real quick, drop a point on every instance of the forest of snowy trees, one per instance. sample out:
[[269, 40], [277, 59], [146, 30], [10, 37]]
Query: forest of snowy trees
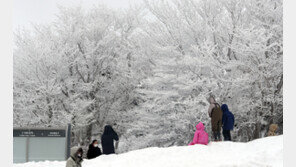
[[149, 70]]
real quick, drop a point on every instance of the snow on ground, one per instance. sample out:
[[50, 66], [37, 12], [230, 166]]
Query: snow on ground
[[262, 152]]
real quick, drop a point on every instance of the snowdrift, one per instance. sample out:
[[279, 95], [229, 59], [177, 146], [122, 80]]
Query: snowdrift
[[261, 152]]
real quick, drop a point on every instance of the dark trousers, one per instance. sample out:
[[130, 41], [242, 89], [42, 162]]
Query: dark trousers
[[217, 136], [226, 135]]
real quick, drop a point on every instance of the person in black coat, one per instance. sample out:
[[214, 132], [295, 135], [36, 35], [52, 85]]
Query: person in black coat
[[108, 138], [93, 150]]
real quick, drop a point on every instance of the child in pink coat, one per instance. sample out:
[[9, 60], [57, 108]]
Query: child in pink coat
[[200, 136]]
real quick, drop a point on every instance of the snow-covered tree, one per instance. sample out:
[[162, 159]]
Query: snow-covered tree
[[149, 70], [79, 69]]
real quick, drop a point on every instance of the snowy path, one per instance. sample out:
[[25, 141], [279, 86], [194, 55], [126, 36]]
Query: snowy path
[[262, 152]]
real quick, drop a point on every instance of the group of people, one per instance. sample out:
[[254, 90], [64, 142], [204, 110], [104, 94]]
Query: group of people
[[221, 117], [107, 141]]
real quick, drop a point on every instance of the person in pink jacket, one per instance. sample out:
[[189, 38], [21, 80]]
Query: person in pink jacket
[[200, 136]]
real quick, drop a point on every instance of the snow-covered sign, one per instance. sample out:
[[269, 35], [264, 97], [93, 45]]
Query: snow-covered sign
[[39, 144]]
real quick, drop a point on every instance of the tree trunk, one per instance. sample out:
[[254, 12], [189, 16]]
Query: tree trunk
[[88, 133], [257, 130]]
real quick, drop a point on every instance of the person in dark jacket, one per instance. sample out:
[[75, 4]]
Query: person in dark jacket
[[108, 138], [227, 122], [215, 113], [93, 150]]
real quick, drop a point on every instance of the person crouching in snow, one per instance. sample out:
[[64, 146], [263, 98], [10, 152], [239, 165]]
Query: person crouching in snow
[[200, 136], [75, 158], [272, 130]]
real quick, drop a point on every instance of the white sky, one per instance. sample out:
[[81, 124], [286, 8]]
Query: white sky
[[26, 12]]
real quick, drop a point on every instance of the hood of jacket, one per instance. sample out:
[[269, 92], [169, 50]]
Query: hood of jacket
[[73, 154], [73, 151], [108, 130], [224, 108], [200, 126]]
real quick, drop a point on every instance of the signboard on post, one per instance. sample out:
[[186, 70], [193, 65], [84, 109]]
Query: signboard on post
[[39, 133], [40, 144]]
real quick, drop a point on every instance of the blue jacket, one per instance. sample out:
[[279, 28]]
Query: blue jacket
[[227, 118]]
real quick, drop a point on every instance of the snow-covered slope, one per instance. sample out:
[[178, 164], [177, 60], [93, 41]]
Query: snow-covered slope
[[262, 152]]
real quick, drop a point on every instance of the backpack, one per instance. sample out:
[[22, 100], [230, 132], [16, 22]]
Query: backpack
[[217, 111]]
